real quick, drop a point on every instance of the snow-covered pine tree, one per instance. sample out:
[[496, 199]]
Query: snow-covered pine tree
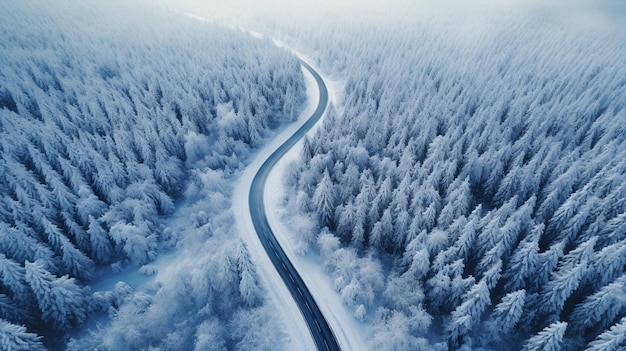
[[507, 313], [60, 300], [549, 339], [522, 264], [17, 338], [467, 315], [600, 308], [12, 279], [249, 287], [324, 200], [613, 339]]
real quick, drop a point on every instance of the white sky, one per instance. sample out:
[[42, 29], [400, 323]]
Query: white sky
[[321, 10]]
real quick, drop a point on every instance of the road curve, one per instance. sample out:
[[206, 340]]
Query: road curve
[[323, 335]]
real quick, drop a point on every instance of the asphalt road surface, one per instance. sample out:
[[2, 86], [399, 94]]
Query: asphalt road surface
[[320, 330]]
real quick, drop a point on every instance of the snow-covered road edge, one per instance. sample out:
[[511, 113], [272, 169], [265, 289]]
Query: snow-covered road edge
[[299, 337], [296, 332], [348, 331]]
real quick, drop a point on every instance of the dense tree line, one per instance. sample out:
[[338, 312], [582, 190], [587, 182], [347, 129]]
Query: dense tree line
[[485, 175], [212, 303], [105, 112]]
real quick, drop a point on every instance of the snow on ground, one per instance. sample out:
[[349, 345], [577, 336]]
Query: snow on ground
[[347, 329], [277, 294]]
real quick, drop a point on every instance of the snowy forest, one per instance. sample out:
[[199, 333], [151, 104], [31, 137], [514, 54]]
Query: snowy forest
[[470, 187], [110, 114], [465, 191]]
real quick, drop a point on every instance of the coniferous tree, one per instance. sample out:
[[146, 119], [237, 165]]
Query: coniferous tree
[[17, 338], [248, 282], [543, 191], [607, 264], [549, 339], [600, 307], [508, 312], [12, 278], [324, 200], [612, 339], [60, 299], [467, 315], [561, 285]]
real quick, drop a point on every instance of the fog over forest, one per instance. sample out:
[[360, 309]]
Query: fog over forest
[[471, 174], [112, 114], [466, 189]]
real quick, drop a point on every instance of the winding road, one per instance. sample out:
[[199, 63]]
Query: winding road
[[321, 332]]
